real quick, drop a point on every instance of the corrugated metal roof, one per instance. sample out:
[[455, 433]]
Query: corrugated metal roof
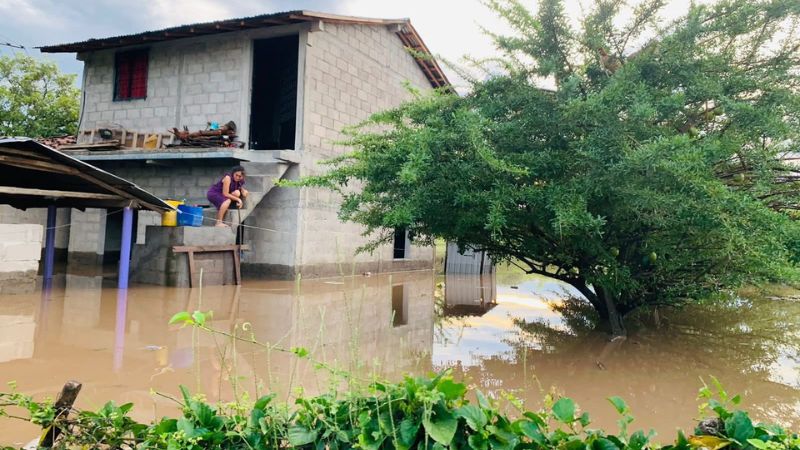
[[406, 33], [32, 167]]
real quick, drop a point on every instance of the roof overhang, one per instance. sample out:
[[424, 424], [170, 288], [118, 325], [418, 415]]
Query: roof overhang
[[33, 175], [405, 31]]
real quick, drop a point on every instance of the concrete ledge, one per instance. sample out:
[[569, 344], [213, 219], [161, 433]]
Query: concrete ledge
[[84, 259], [310, 271]]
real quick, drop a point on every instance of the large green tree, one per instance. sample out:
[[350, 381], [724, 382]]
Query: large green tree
[[651, 171], [36, 99]]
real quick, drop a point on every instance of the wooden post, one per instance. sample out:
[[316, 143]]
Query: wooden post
[[50, 246], [63, 406]]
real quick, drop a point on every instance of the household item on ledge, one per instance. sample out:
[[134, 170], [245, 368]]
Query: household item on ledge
[[190, 216], [170, 218]]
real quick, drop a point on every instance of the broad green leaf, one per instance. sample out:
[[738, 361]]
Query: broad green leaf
[[262, 402], [473, 415], [619, 404], [181, 317], [637, 441], [483, 402], [409, 429], [564, 410], [199, 318], [478, 442], [739, 427], [709, 442], [532, 431], [604, 444], [441, 426], [757, 443], [451, 389], [584, 419], [299, 435]]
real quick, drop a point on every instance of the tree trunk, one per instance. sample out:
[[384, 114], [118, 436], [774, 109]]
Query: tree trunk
[[610, 316], [614, 316]]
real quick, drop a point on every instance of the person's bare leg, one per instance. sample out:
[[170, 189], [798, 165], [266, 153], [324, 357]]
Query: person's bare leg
[[239, 194], [223, 208]]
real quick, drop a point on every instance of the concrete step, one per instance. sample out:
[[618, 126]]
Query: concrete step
[[261, 178]]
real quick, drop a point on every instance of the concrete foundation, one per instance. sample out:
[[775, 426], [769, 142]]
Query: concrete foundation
[[155, 263], [20, 250]]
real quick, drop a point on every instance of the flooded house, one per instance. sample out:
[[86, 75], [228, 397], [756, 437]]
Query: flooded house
[[173, 110]]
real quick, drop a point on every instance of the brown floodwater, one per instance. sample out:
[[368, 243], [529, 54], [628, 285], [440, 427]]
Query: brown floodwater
[[515, 333]]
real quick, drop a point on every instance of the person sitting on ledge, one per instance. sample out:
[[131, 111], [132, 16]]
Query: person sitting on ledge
[[226, 192]]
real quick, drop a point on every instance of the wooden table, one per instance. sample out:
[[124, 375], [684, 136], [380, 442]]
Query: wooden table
[[190, 250]]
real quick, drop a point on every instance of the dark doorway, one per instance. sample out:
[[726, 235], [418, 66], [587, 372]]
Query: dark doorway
[[400, 243], [399, 306], [273, 109]]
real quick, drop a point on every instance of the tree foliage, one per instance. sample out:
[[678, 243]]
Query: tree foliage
[[36, 100], [653, 172]]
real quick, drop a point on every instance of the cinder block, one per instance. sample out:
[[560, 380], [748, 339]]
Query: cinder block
[[20, 251]]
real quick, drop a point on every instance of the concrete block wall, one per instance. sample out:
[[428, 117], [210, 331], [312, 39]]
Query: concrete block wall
[[188, 83], [38, 216], [273, 239], [17, 329], [20, 250], [156, 263], [351, 72], [87, 236]]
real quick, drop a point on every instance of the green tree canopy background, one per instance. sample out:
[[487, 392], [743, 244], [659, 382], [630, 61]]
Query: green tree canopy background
[[653, 173], [36, 100]]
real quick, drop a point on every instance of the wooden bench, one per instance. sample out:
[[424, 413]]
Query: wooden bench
[[190, 250]]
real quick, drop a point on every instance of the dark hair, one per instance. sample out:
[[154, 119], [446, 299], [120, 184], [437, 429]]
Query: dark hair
[[237, 169]]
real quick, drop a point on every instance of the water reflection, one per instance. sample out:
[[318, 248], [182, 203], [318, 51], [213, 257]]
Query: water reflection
[[502, 331], [538, 337], [118, 343]]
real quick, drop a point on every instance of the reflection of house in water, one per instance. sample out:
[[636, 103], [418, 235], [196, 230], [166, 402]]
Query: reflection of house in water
[[470, 282], [469, 295], [123, 346]]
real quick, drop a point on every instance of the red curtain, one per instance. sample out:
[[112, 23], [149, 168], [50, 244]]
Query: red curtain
[[131, 75], [139, 76]]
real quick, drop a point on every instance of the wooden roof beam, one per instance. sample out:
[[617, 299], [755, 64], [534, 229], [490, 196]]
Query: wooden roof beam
[[11, 190]]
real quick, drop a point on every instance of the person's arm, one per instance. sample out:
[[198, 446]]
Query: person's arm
[[226, 189]]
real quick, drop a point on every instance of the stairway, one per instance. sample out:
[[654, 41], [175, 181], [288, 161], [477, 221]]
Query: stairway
[[260, 178]]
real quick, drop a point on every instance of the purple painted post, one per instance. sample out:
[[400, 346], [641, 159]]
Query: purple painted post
[[50, 245], [125, 249], [119, 328]]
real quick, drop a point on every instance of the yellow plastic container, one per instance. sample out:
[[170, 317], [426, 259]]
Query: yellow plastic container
[[170, 218]]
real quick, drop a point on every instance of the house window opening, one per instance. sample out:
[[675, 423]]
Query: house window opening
[[401, 243], [130, 75], [273, 107], [399, 306]]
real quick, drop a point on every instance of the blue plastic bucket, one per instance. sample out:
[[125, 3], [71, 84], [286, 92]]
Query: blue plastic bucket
[[190, 216]]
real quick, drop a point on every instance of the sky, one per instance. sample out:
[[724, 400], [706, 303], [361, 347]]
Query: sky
[[450, 28]]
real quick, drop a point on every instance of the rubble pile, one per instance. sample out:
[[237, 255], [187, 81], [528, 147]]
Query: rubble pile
[[57, 142], [212, 136]]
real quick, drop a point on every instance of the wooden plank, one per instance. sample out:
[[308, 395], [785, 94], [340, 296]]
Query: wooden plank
[[38, 165], [192, 280], [158, 142], [209, 248], [106, 144], [135, 141], [91, 137], [63, 406], [237, 268], [124, 138], [57, 194]]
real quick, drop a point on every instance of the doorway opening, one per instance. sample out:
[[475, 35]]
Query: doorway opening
[[273, 107]]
